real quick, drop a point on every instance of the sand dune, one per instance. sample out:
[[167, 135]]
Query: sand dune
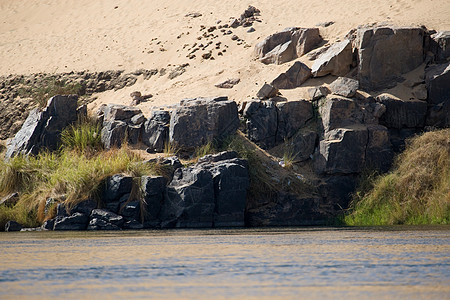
[[75, 35]]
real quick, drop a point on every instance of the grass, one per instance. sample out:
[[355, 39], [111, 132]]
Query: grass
[[67, 175], [417, 191], [83, 137]]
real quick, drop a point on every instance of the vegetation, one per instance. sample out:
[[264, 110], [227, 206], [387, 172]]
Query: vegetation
[[417, 191], [83, 137]]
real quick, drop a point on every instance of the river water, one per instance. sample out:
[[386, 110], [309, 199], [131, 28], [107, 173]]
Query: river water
[[288, 263]]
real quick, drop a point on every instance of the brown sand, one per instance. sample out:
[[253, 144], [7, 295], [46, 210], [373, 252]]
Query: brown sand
[[74, 35]]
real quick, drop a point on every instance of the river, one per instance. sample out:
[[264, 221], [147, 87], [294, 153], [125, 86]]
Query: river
[[287, 263]]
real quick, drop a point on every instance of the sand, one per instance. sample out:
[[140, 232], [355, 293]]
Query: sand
[[74, 35]]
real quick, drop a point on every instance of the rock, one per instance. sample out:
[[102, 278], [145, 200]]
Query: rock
[[117, 189], [194, 122], [133, 224], [337, 190], [440, 46], [420, 92], [303, 144], [48, 224], [262, 122], [117, 112], [12, 226], [42, 128], [131, 211], [267, 91], [84, 207], [212, 158], [437, 80], [251, 29], [228, 84], [297, 74], [190, 199], [156, 130], [287, 210], [336, 60], [385, 53], [76, 221], [287, 45], [10, 200], [379, 153], [402, 113], [113, 134], [345, 87], [292, 116], [101, 219], [339, 112], [153, 189], [317, 92]]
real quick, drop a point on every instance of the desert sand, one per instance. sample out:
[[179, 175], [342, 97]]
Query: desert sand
[[74, 35]]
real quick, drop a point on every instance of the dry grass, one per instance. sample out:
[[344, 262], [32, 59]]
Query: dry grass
[[417, 191]]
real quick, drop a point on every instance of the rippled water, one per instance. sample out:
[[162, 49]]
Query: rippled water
[[400, 262]]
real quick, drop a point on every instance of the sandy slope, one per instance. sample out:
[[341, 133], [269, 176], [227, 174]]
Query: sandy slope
[[66, 35]]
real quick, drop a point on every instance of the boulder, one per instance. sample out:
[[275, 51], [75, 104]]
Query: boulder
[[194, 122], [379, 153], [303, 144], [262, 122], [12, 226], [385, 53], [297, 74], [342, 151], [402, 113], [317, 92], [267, 91], [336, 60], [292, 116], [42, 129], [440, 46], [287, 45], [437, 80], [190, 199], [76, 221], [345, 87], [131, 211], [101, 219], [339, 112], [156, 130], [228, 84], [116, 191], [117, 112], [153, 189]]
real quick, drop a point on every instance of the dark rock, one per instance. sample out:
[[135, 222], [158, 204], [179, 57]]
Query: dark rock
[[131, 211], [153, 189], [303, 144], [337, 190], [49, 224], [397, 137], [440, 46], [339, 112], [12, 226], [190, 199], [287, 210], [262, 122], [77, 221], [437, 80], [385, 53], [156, 130], [315, 93], [194, 122], [116, 187], [267, 91], [42, 128], [133, 224], [113, 134], [345, 87], [228, 84], [292, 116], [61, 210], [287, 45], [212, 158], [402, 113], [297, 74], [101, 219], [420, 92], [379, 153], [336, 60]]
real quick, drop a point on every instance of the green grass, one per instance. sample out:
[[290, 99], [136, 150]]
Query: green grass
[[84, 137], [50, 87], [417, 191]]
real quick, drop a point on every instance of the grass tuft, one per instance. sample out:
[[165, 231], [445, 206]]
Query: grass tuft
[[84, 137], [52, 87], [417, 191]]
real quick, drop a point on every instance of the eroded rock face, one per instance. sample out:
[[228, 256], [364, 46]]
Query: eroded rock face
[[385, 53], [42, 129], [402, 113], [345, 87], [440, 46], [195, 122], [287, 45], [156, 130], [336, 60]]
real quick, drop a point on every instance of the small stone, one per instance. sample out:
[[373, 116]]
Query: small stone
[[228, 84], [267, 91], [251, 29], [234, 37]]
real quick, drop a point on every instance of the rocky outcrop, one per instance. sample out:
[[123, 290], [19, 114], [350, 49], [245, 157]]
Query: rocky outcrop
[[156, 130], [297, 74], [215, 118], [336, 60], [120, 123], [269, 124], [402, 113], [42, 128], [345, 87], [287, 45], [437, 81], [385, 53], [440, 46]]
